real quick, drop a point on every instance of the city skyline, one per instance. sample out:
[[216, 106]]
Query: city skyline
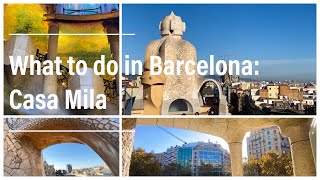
[[281, 37], [78, 155]]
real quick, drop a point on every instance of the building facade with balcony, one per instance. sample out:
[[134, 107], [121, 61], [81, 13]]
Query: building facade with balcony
[[267, 139]]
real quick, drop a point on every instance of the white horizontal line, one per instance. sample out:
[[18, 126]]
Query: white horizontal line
[[62, 131], [62, 116], [128, 131], [126, 34], [217, 116]]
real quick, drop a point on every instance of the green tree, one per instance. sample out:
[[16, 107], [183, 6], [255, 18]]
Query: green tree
[[176, 169], [210, 170], [270, 164], [273, 164], [184, 170], [287, 161], [24, 22], [144, 164], [205, 169], [171, 169], [252, 167]]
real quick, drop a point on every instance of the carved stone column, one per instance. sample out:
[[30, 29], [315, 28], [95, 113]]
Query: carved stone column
[[298, 132], [50, 82], [236, 158], [112, 27], [21, 157], [128, 126], [234, 136]]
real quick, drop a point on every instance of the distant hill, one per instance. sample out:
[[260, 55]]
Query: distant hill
[[215, 77]]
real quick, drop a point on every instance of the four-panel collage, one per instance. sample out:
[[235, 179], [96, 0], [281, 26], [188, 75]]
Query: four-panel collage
[[116, 89]]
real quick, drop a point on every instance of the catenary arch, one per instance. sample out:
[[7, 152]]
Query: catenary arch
[[223, 105], [215, 82], [225, 128], [180, 106], [232, 130], [29, 144]]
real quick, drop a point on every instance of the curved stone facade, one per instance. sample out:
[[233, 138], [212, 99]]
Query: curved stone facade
[[22, 149], [233, 130]]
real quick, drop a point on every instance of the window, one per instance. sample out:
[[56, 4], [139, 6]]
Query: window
[[277, 148], [269, 138], [274, 131], [268, 132], [269, 142], [269, 148]]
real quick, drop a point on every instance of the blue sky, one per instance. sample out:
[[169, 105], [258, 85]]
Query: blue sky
[[78, 155], [281, 37], [152, 138]]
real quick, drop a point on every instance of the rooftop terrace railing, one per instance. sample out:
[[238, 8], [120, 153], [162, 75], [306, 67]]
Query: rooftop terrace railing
[[82, 11], [85, 9]]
